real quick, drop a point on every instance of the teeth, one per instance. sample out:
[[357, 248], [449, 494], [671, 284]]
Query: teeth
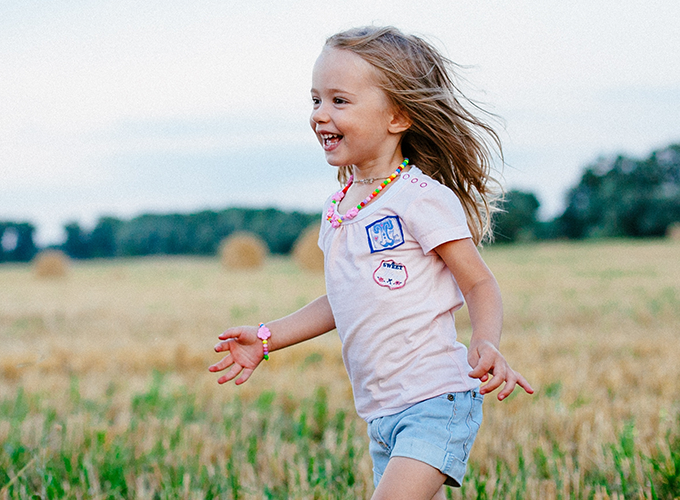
[[326, 137]]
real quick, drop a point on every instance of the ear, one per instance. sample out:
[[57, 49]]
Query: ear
[[400, 122]]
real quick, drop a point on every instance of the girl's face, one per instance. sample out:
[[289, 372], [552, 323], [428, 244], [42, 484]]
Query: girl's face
[[353, 118]]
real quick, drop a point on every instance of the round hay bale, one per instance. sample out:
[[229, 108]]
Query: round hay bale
[[673, 231], [243, 251], [306, 251], [51, 264]]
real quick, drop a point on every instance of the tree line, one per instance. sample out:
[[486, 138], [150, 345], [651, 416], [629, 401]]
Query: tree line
[[615, 197], [184, 234]]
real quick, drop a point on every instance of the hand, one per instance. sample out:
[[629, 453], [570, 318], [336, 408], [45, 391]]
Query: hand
[[488, 363], [244, 353]]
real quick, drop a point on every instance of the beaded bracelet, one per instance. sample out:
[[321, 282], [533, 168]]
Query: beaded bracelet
[[263, 334]]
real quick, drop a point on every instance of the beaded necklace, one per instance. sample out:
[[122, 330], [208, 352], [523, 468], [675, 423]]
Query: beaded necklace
[[370, 180], [332, 215]]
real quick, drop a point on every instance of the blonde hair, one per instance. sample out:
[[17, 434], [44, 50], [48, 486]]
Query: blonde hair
[[446, 141]]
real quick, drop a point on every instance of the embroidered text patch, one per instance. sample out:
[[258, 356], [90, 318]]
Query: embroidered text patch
[[385, 234], [390, 274]]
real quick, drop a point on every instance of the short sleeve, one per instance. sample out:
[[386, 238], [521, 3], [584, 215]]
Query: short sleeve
[[323, 228], [436, 217], [322, 233]]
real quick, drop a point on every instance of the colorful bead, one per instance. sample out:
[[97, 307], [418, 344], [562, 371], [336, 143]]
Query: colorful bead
[[263, 334], [336, 220]]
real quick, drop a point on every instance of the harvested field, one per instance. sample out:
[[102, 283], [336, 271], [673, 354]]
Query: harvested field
[[104, 388]]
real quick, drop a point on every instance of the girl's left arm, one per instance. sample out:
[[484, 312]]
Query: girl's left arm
[[483, 298]]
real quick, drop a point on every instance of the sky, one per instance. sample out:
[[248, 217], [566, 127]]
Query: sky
[[122, 108]]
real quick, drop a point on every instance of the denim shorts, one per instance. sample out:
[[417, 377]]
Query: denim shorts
[[438, 431]]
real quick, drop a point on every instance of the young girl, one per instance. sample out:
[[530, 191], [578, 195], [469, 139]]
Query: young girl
[[400, 246]]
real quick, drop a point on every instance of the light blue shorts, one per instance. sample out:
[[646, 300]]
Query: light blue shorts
[[438, 431]]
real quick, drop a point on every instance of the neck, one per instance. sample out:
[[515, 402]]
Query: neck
[[376, 172]]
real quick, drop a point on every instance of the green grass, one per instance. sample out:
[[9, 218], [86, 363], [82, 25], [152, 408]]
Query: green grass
[[173, 444], [272, 448]]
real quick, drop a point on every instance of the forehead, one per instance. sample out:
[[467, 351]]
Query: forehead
[[343, 70]]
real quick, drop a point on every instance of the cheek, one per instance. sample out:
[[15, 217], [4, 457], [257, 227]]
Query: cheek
[[313, 126]]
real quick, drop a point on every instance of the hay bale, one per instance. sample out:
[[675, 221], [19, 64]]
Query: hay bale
[[673, 231], [51, 264], [306, 251], [243, 251]]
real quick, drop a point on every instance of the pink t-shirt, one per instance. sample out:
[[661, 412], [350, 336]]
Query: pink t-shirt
[[393, 297]]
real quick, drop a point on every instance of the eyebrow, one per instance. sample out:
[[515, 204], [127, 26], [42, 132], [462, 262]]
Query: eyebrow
[[335, 91]]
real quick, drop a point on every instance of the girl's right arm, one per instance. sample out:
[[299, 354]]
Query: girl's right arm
[[245, 350]]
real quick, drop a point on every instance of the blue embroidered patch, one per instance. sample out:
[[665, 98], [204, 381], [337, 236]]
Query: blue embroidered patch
[[385, 234]]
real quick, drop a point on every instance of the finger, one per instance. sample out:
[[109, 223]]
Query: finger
[[235, 370], [495, 382], [230, 333], [473, 358], [223, 346], [522, 382], [225, 362], [483, 367], [507, 390], [245, 375]]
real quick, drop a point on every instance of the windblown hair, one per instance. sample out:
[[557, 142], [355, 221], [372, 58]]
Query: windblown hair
[[446, 141]]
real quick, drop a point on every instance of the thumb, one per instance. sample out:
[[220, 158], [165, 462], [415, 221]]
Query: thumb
[[231, 333], [480, 367], [473, 357]]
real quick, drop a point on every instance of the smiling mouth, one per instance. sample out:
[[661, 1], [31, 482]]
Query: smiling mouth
[[330, 141]]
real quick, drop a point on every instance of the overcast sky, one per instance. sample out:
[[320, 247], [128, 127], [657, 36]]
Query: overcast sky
[[120, 108]]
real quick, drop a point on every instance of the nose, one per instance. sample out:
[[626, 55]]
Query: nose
[[319, 114]]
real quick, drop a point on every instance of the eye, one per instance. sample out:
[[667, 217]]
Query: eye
[[339, 100], [316, 101]]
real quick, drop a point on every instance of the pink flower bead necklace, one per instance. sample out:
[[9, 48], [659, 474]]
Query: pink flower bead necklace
[[332, 215]]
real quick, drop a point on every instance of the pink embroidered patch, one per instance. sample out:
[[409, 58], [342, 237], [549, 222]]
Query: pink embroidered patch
[[390, 274]]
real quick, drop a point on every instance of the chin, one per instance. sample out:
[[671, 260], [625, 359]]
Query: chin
[[334, 162]]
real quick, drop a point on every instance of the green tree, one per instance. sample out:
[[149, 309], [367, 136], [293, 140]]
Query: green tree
[[625, 197], [16, 242], [518, 220], [76, 244], [102, 240]]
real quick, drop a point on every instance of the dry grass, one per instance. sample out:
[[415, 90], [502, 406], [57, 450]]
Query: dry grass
[[594, 327], [119, 321]]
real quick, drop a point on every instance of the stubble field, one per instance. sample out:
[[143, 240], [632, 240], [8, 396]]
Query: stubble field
[[105, 393]]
